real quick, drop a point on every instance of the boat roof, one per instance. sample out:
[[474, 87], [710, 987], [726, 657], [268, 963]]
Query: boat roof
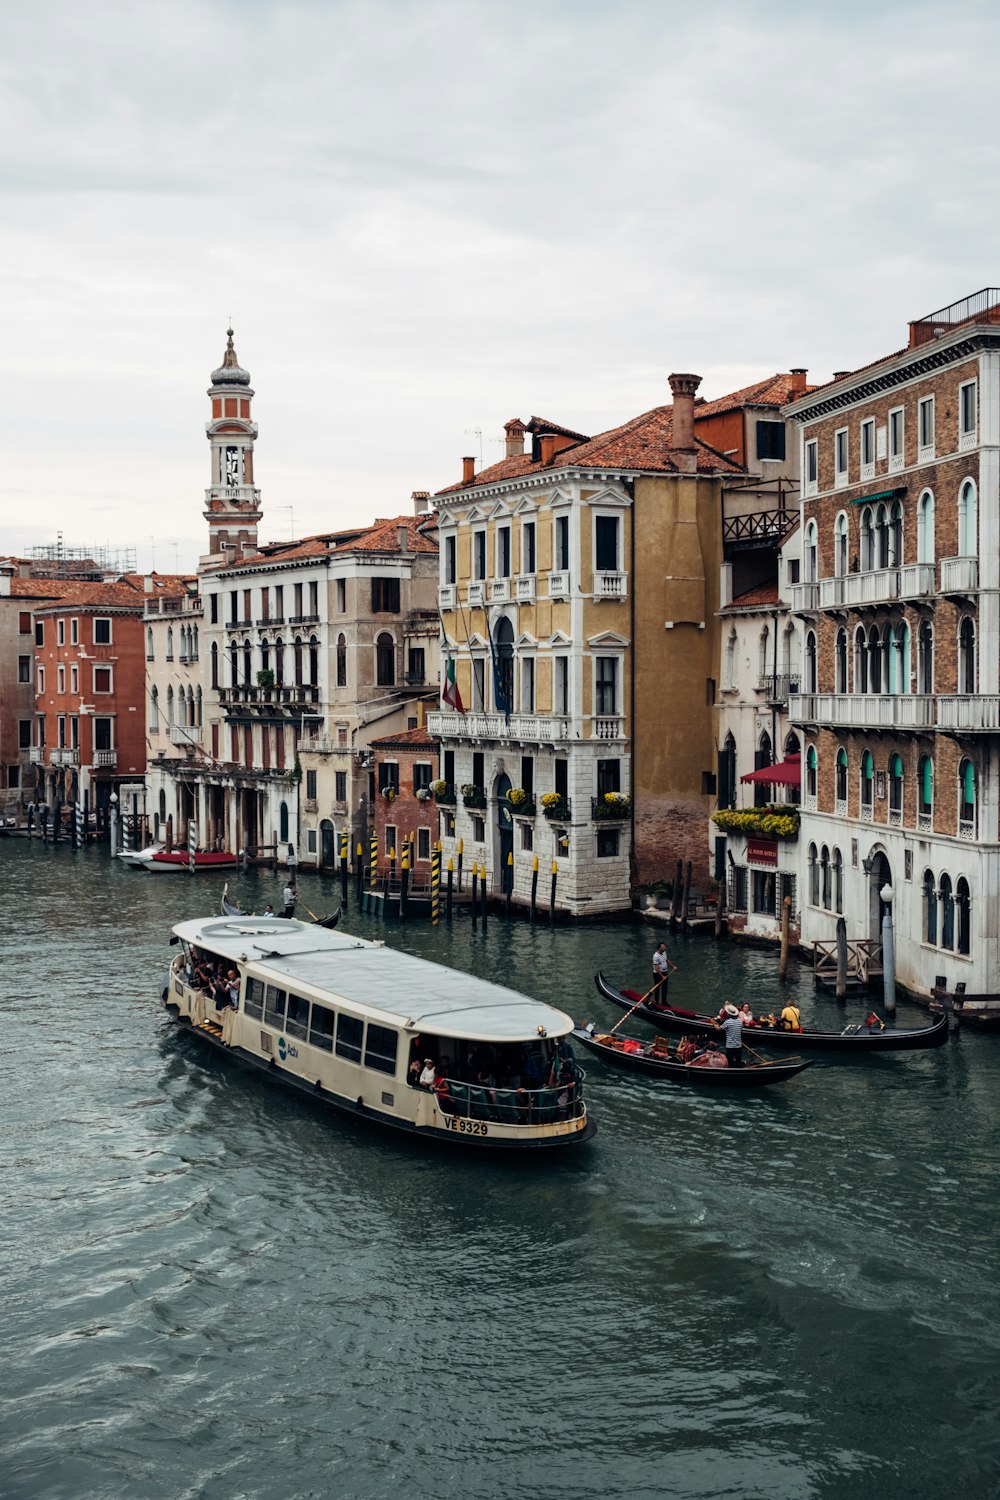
[[411, 993]]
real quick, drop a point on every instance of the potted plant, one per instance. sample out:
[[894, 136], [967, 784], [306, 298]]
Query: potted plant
[[265, 678], [444, 793], [423, 793], [612, 805], [555, 807], [473, 796], [389, 793], [522, 803]]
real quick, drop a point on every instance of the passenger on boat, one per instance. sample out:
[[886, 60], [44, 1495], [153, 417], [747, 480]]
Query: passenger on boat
[[686, 1049], [711, 1057], [428, 1074], [791, 1018], [746, 1013], [269, 910], [732, 1030], [443, 1092], [233, 988]]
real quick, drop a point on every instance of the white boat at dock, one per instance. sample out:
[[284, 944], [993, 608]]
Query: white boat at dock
[[349, 1022]]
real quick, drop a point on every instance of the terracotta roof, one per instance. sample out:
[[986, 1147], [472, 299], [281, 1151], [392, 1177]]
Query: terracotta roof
[[123, 593], [40, 588], [763, 594], [380, 536], [776, 390], [542, 424], [415, 738], [170, 585]]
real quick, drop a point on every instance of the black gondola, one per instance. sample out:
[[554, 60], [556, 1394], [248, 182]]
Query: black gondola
[[655, 1058], [329, 922], [229, 908], [854, 1038]]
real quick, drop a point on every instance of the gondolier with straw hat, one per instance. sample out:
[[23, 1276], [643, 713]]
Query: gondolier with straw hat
[[732, 1030]]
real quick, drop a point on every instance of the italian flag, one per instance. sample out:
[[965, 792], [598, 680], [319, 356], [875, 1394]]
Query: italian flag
[[450, 692]]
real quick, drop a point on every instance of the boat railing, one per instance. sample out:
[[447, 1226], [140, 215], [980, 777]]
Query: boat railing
[[521, 1106]]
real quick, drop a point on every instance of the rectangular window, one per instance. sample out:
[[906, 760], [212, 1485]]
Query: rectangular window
[[24, 734], [503, 551], [274, 1006], [102, 734], [840, 456], [528, 685], [763, 892], [967, 410], [415, 667], [771, 440], [253, 998], [606, 531], [24, 622], [314, 598], [385, 596], [390, 838], [74, 632], [341, 596], [279, 601], [311, 841], [297, 1017], [213, 609], [74, 732], [607, 843], [380, 1048], [61, 731], [24, 669], [41, 679], [478, 768], [528, 773], [479, 554], [478, 684], [560, 695], [925, 427], [40, 739], [247, 606], [896, 436], [609, 776], [560, 770], [423, 843], [340, 785], [606, 686], [297, 595], [738, 888], [450, 559], [321, 1028], [349, 1033], [527, 547], [60, 632], [102, 632], [39, 632], [527, 836], [868, 448], [311, 785], [811, 465], [60, 678], [449, 767], [562, 544], [388, 775], [423, 775], [102, 679]]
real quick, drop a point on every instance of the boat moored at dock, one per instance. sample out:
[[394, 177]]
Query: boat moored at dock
[[377, 1033]]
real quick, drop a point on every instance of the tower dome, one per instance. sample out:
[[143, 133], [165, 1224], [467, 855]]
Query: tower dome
[[230, 372]]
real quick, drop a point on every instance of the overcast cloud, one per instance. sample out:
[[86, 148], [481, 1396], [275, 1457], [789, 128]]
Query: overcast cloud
[[427, 218]]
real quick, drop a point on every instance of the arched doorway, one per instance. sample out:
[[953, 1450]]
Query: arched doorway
[[327, 845], [879, 875], [505, 832]]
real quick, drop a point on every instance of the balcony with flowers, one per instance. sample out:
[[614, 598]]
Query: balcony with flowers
[[444, 793], [522, 803], [612, 807], [557, 808]]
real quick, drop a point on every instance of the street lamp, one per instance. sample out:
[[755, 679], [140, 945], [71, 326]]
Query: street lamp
[[113, 823], [888, 950]]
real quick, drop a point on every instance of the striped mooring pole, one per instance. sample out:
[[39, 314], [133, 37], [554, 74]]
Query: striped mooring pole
[[436, 884]]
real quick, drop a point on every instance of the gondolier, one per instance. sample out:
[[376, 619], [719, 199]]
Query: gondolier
[[662, 970], [289, 896], [732, 1029]]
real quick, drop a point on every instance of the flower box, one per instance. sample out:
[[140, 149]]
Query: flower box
[[613, 806], [474, 796], [770, 822], [556, 809]]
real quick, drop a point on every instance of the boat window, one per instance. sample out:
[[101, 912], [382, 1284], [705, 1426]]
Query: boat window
[[297, 1024], [253, 1001], [321, 1028], [274, 1006], [349, 1032], [380, 1048]]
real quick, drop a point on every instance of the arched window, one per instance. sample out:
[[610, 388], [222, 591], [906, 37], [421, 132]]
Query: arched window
[[875, 659], [234, 665], [967, 656], [763, 656], [947, 913], [194, 643], [170, 643], [283, 822], [842, 776], [341, 660], [154, 711], [840, 563], [790, 655], [764, 756], [811, 769], [925, 527], [199, 704], [963, 902], [215, 665], [811, 673], [811, 553], [930, 908], [905, 674], [925, 791], [149, 643], [896, 789], [170, 707], [731, 659], [967, 800], [793, 794], [840, 661], [247, 663], [727, 773], [813, 876], [385, 660], [313, 661], [824, 877], [503, 645], [867, 540], [838, 882], [860, 661], [882, 531], [867, 785], [892, 650], [279, 662], [896, 534], [297, 659], [925, 657], [265, 655], [968, 530]]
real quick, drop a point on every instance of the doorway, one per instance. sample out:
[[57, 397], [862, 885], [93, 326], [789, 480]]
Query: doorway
[[504, 841]]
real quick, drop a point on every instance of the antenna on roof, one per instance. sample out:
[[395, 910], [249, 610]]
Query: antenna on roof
[[291, 516], [476, 432]]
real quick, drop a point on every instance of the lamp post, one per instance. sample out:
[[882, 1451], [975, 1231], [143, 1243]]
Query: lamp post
[[888, 951], [113, 823]]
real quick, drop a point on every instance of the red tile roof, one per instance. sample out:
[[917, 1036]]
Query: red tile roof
[[763, 594], [776, 390], [407, 738], [123, 593], [380, 536]]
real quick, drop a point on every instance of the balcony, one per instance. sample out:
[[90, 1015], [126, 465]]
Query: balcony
[[609, 727], [36, 755], [239, 624], [499, 590], [864, 710], [185, 734], [959, 575], [610, 585], [559, 584], [879, 586], [303, 619], [446, 596], [776, 686], [475, 593], [105, 760], [975, 713], [805, 598], [64, 756], [761, 528], [524, 588], [539, 729]]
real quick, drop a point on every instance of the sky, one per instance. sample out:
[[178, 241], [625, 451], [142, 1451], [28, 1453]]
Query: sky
[[425, 219]]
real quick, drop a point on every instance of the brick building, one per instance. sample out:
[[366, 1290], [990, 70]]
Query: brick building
[[899, 600], [404, 811]]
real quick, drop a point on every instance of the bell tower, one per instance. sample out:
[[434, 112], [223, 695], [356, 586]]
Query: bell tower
[[232, 504]]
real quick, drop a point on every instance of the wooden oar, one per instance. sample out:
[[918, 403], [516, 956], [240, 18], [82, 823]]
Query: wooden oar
[[634, 1008]]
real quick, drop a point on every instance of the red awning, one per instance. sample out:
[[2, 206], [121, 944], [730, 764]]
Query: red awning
[[785, 773]]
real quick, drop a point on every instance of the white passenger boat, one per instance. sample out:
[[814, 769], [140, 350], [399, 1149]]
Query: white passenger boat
[[354, 1024]]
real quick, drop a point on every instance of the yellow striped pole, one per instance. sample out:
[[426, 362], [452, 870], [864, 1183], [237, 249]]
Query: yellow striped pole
[[436, 885]]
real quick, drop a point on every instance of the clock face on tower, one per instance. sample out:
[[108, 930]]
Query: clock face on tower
[[232, 467]]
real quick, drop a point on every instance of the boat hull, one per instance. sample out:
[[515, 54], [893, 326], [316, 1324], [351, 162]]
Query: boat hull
[[165, 864], [359, 1110], [751, 1076], [866, 1039]]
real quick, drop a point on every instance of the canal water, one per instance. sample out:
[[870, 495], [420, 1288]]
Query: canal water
[[210, 1290]]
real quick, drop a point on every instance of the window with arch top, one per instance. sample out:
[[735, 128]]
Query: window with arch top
[[385, 660], [841, 774]]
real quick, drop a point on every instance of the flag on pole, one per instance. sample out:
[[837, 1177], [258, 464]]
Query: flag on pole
[[450, 692]]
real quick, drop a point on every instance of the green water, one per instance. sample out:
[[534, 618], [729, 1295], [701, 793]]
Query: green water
[[212, 1290]]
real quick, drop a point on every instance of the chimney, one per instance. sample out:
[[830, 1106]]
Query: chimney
[[6, 574], [682, 445], [841, 374], [799, 380], [515, 437], [147, 584], [468, 470], [402, 537], [547, 446], [421, 502]]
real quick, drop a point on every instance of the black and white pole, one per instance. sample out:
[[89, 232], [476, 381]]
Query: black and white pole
[[113, 823], [888, 951], [192, 844]]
